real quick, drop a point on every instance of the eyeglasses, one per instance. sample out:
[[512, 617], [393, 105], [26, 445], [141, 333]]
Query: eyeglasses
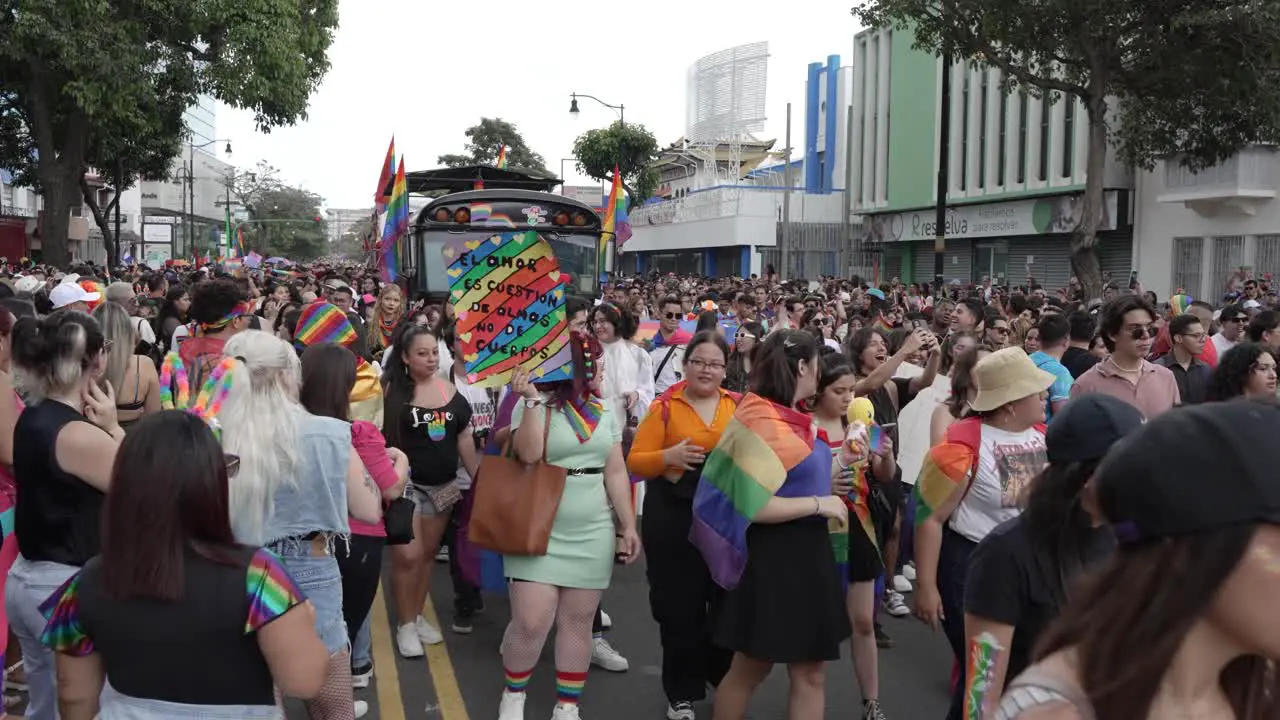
[[1195, 336], [232, 463], [1000, 329], [699, 364], [1142, 331]]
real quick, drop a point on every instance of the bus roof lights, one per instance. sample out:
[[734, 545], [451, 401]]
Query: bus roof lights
[[560, 218], [580, 219]]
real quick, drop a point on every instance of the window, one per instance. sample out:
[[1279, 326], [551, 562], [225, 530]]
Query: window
[[1069, 138], [1267, 262], [1004, 131], [1046, 109], [964, 128], [1023, 105], [1228, 256], [982, 132], [1187, 256]]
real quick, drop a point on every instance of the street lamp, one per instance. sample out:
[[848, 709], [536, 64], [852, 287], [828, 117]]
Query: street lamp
[[191, 184], [573, 106]]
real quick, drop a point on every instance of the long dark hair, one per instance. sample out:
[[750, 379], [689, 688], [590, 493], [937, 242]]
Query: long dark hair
[[51, 354], [397, 386], [328, 374], [859, 341], [1128, 620], [623, 322], [154, 515], [962, 380], [1058, 526], [1233, 370], [777, 363]]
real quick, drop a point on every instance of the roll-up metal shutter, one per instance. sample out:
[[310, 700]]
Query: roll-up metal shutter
[[1115, 255], [958, 262], [1050, 260], [922, 262]]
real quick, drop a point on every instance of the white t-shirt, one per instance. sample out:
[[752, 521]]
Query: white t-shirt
[[1222, 344], [914, 422], [146, 333], [483, 413], [1007, 463]]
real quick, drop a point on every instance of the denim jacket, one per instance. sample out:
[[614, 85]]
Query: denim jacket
[[317, 500]]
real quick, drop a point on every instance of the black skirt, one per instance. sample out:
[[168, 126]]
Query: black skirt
[[865, 563], [789, 606]]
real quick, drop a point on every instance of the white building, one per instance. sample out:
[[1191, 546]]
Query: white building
[[341, 221], [1196, 231]]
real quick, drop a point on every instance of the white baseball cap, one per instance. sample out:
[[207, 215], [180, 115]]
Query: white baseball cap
[[67, 293]]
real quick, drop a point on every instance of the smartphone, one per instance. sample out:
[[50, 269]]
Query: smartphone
[[1133, 279]]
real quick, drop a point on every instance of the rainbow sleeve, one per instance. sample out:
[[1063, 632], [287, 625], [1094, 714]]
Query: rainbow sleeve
[[743, 472], [271, 591], [63, 633], [946, 467]]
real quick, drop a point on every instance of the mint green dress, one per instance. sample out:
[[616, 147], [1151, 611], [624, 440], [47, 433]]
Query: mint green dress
[[580, 551]]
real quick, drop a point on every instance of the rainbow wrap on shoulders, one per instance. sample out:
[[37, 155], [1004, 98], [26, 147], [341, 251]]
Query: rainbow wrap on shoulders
[[946, 467], [761, 444]]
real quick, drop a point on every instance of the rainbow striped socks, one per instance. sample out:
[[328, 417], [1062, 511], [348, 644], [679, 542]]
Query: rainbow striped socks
[[569, 686], [517, 681]]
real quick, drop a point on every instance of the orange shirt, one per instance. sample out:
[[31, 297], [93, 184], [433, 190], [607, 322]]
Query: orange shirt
[[682, 421]]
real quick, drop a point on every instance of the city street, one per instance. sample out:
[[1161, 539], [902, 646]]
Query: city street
[[462, 679]]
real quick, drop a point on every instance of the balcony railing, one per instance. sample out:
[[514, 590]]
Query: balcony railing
[[1246, 177]]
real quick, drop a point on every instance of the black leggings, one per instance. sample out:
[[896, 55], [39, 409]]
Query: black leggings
[[360, 563]]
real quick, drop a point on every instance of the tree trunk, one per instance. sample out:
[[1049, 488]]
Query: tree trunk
[[58, 190], [109, 240], [1084, 240]]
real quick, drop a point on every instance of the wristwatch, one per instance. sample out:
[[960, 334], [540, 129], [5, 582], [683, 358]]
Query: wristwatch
[[531, 403]]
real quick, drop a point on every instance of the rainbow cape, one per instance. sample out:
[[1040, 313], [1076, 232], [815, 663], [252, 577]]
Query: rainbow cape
[[761, 444], [949, 465]]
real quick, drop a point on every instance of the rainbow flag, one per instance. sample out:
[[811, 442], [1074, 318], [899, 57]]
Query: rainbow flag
[[397, 225], [946, 467], [320, 323], [382, 197], [502, 156], [240, 239], [761, 444], [608, 230]]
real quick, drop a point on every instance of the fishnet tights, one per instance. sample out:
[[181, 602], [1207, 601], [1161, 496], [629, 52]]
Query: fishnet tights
[[335, 701], [534, 608]]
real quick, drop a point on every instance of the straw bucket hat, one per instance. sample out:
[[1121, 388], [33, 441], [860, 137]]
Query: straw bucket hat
[[1005, 376]]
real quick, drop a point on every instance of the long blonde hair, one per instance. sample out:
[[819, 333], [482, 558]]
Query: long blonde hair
[[121, 336], [260, 423]]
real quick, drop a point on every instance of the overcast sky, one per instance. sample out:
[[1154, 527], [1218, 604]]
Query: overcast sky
[[427, 71]]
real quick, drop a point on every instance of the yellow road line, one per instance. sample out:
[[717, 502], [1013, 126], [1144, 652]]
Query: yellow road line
[[443, 678], [390, 702]]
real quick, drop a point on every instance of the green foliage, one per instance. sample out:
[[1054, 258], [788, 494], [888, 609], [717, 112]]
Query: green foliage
[[632, 148], [1194, 80], [483, 141], [104, 83], [283, 222], [352, 243]]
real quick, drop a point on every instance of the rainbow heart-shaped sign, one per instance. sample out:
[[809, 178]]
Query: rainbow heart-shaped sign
[[508, 297]]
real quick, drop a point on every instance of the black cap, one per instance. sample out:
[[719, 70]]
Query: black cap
[[1087, 426], [1192, 469]]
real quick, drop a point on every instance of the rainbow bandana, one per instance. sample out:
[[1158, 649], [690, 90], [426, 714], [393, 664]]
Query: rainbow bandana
[[761, 444], [1179, 303], [221, 324], [320, 323], [584, 415]]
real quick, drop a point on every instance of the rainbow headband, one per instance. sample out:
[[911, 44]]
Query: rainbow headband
[[220, 324], [208, 402]]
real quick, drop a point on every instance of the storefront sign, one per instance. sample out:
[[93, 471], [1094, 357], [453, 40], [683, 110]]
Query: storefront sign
[[590, 195], [1037, 216]]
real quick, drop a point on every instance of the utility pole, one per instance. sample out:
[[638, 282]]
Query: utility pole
[[944, 168], [114, 259], [191, 190], [846, 247], [784, 272]]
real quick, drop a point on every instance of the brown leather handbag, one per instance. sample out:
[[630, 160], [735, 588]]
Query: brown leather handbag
[[514, 503]]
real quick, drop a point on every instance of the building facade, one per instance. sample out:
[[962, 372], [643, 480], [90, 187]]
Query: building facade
[[722, 210], [1204, 232], [1017, 172]]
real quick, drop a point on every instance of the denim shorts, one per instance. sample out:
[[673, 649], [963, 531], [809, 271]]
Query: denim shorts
[[321, 583]]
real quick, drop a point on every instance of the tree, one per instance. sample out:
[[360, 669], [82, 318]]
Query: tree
[[105, 84], [1191, 80], [483, 141], [286, 221], [631, 148]]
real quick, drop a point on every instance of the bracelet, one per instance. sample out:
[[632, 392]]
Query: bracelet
[[817, 506]]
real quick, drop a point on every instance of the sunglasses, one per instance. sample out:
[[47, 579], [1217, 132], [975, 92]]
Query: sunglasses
[[820, 322], [1001, 330], [672, 316], [1142, 332], [232, 463]]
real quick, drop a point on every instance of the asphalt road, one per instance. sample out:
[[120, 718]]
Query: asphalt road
[[462, 678]]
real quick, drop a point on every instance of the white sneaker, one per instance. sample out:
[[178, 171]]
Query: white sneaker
[[604, 656], [362, 708], [682, 710], [901, 584], [512, 706], [563, 711], [895, 605], [606, 622], [427, 632], [361, 679], [909, 572], [408, 642]]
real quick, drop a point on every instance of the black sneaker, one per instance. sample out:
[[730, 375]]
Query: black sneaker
[[681, 710], [882, 638], [462, 624]]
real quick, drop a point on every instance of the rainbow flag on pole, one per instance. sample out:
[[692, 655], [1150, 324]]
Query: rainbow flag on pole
[[397, 225], [502, 156], [382, 197], [608, 230]]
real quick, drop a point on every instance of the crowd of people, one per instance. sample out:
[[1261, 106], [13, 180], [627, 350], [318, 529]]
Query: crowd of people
[[202, 459]]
